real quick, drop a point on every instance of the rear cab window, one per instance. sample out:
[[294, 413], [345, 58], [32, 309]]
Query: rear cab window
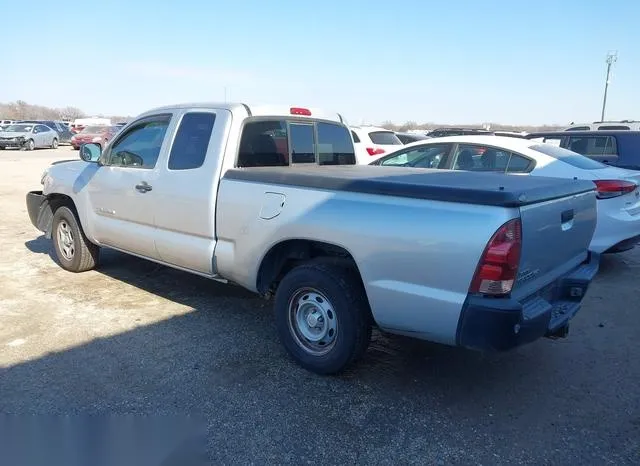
[[384, 138], [567, 156], [269, 143]]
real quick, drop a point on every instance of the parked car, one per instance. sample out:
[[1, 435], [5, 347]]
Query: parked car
[[5, 123], [408, 138], [28, 136], [100, 135], [444, 132], [64, 133], [372, 142], [81, 123], [618, 195], [618, 148], [440, 256], [612, 125]]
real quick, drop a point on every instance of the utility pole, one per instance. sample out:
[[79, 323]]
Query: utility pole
[[612, 57]]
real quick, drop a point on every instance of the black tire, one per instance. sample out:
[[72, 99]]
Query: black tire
[[54, 143], [30, 145], [347, 299], [85, 254]]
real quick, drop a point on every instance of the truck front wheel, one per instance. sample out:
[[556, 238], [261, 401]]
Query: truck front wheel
[[323, 317], [74, 251]]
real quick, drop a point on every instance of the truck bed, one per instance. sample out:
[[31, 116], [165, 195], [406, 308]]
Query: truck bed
[[479, 188]]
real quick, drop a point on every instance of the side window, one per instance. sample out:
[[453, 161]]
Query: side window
[[578, 128], [302, 143], [192, 139], [355, 136], [140, 146], [489, 159], [42, 128], [593, 145], [430, 156], [335, 146], [469, 157], [264, 144], [518, 164], [613, 127]]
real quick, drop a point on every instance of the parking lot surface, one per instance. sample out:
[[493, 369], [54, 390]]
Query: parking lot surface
[[136, 337]]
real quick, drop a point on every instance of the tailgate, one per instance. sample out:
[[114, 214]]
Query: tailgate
[[555, 238]]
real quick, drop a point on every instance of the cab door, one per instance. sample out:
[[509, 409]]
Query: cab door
[[123, 193]]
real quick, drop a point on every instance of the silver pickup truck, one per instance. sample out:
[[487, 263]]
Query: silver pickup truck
[[249, 195]]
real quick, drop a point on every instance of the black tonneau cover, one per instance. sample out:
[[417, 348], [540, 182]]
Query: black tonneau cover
[[438, 185]]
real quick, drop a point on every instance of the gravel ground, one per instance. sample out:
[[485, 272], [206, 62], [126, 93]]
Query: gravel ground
[[135, 337]]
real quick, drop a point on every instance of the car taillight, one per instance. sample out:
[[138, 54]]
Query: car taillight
[[374, 151], [606, 189], [498, 266]]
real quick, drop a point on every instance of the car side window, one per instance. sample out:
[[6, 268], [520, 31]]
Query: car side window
[[42, 129], [140, 146], [192, 140], [355, 136], [518, 164], [593, 145], [429, 156], [471, 157]]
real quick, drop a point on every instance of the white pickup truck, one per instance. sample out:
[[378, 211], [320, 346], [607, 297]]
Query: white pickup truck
[[245, 194]]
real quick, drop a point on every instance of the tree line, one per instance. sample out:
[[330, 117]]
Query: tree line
[[21, 110]]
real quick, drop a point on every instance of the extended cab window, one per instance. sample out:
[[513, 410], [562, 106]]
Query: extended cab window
[[192, 139], [140, 145]]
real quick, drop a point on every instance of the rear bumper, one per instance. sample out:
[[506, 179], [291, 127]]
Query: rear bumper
[[497, 324], [615, 231]]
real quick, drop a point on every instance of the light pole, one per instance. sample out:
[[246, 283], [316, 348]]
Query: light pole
[[612, 57]]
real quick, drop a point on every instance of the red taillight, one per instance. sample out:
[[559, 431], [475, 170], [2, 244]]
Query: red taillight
[[300, 111], [613, 188], [374, 151], [498, 266]]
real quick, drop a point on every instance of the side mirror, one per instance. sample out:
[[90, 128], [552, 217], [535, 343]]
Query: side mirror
[[90, 152]]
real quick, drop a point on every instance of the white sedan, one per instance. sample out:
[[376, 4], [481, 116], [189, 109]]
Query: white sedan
[[618, 227]]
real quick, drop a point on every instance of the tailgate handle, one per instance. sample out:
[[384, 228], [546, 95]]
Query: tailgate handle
[[566, 216]]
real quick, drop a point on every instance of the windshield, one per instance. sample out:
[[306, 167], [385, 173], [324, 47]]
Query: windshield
[[567, 156], [385, 138], [95, 129], [19, 128]]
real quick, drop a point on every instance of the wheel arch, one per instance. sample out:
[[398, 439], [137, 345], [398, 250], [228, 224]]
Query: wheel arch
[[285, 255]]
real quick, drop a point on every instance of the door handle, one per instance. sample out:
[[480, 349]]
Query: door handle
[[144, 187]]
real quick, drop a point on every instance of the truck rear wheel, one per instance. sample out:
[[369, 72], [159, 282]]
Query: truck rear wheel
[[323, 317], [74, 251]]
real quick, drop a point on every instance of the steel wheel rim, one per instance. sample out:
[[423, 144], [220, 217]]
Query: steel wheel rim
[[32, 145], [55, 143], [312, 321], [65, 240]]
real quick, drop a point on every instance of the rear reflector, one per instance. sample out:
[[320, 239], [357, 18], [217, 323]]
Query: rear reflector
[[607, 189], [498, 266], [374, 151], [300, 111]]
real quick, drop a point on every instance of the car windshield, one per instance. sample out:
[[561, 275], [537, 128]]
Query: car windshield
[[564, 155], [94, 129], [19, 128]]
